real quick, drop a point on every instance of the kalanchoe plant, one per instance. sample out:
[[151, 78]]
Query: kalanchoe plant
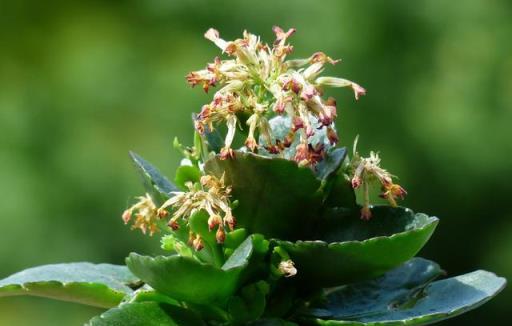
[[262, 226]]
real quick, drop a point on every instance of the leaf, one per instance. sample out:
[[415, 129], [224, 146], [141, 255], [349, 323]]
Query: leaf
[[250, 302], [186, 279], [147, 314], [277, 198], [155, 183], [101, 285], [212, 251], [406, 296], [186, 173], [331, 164], [353, 250], [340, 192]]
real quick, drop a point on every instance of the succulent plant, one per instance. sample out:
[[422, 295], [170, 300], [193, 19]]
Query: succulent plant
[[261, 225]]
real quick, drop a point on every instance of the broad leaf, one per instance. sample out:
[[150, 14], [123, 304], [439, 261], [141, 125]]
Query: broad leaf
[[147, 314], [331, 163], [186, 279], [276, 197], [406, 296], [353, 250], [102, 285], [339, 193], [155, 183], [186, 173], [249, 303]]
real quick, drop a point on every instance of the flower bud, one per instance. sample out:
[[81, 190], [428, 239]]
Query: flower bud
[[197, 243], [332, 136], [173, 224], [287, 268], [214, 221], [297, 123], [230, 220], [127, 215], [227, 153], [366, 213], [220, 235]]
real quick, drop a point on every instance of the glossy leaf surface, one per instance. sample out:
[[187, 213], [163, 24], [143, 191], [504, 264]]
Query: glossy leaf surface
[[277, 198], [353, 250], [157, 185], [406, 296], [185, 278], [101, 285], [147, 314]]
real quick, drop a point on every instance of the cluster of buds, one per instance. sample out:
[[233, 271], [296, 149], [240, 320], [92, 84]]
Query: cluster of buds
[[366, 171], [146, 215], [213, 197], [259, 82]]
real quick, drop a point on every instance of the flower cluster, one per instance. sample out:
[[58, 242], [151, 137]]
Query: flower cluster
[[257, 81], [366, 171], [146, 215], [212, 196]]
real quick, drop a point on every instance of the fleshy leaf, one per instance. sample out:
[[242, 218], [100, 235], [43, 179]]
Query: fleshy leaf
[[340, 192], [147, 314], [101, 285], [406, 296], [331, 164], [155, 183], [277, 198], [272, 322], [184, 278], [353, 250], [186, 173], [250, 302]]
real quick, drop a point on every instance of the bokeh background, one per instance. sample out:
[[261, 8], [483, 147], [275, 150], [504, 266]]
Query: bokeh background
[[82, 83]]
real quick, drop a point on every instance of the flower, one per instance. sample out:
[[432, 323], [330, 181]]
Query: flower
[[146, 215], [211, 196], [366, 171], [287, 268], [257, 81]]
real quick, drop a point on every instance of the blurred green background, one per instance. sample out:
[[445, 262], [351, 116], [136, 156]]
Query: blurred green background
[[82, 83]]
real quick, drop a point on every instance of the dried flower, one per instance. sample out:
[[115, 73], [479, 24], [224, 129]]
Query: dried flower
[[366, 171], [212, 197], [287, 268], [146, 215], [259, 82]]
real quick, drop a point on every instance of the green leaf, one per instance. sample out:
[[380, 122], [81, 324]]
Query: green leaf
[[353, 250], [147, 314], [186, 173], [340, 192], [101, 285], [214, 140], [155, 183], [277, 198], [212, 251], [250, 302], [406, 296], [186, 279], [331, 164]]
